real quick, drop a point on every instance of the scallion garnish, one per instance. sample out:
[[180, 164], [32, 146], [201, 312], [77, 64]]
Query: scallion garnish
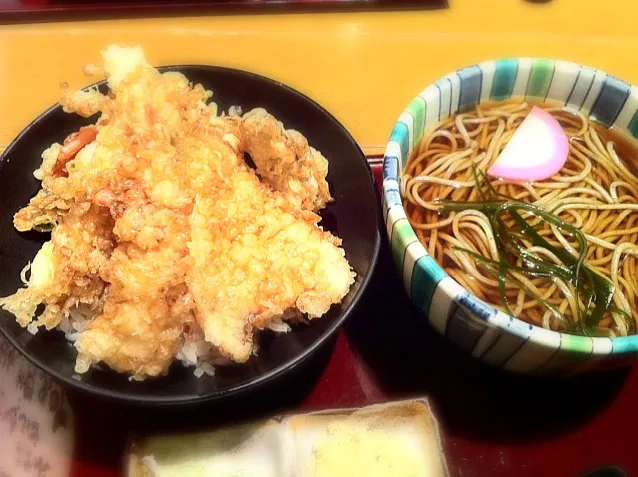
[[594, 291]]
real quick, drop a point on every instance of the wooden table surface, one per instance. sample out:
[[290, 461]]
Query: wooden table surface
[[364, 68]]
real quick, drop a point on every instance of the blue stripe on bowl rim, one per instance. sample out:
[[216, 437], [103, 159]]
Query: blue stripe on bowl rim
[[591, 91]]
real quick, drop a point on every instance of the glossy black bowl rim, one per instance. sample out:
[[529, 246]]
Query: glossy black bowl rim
[[277, 372]]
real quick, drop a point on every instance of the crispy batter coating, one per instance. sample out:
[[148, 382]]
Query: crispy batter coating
[[67, 271], [284, 160], [162, 232], [85, 103], [255, 260]]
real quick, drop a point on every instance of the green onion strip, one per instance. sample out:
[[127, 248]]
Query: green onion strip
[[594, 292]]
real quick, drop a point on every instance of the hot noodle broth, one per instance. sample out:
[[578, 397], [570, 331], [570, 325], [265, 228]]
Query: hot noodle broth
[[561, 253]]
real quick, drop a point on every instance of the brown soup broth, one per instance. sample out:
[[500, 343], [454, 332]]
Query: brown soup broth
[[441, 244]]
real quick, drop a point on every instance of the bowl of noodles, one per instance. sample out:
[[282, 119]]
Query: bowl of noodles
[[533, 272]]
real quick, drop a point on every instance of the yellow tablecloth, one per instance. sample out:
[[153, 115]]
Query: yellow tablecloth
[[363, 67]]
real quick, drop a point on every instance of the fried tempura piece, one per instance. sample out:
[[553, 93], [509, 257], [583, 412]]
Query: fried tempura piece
[[164, 233], [138, 331], [131, 337], [66, 271], [85, 103], [284, 160], [255, 260]]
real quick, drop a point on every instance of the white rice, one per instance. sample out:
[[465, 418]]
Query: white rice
[[32, 328], [196, 352], [279, 326], [65, 325], [72, 337], [78, 320], [235, 110]]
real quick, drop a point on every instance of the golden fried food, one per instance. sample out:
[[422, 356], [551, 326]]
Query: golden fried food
[[284, 160], [165, 244], [255, 260], [65, 274]]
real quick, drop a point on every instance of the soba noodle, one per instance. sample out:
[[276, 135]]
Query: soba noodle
[[595, 191]]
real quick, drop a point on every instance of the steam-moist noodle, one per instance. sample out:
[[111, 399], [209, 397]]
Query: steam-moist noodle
[[596, 191]]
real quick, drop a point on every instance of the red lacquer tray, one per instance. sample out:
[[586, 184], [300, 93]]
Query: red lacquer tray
[[493, 423]]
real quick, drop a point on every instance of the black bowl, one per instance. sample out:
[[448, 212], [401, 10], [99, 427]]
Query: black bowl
[[353, 217]]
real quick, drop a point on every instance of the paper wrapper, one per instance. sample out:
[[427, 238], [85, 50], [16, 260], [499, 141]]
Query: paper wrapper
[[393, 439], [36, 421]]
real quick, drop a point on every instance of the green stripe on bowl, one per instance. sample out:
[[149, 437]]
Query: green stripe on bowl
[[417, 108], [426, 276], [572, 349], [400, 134], [505, 73], [633, 126], [626, 344], [402, 236], [540, 78], [579, 344]]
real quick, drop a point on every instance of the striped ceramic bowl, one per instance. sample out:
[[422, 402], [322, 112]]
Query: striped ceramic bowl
[[478, 328]]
